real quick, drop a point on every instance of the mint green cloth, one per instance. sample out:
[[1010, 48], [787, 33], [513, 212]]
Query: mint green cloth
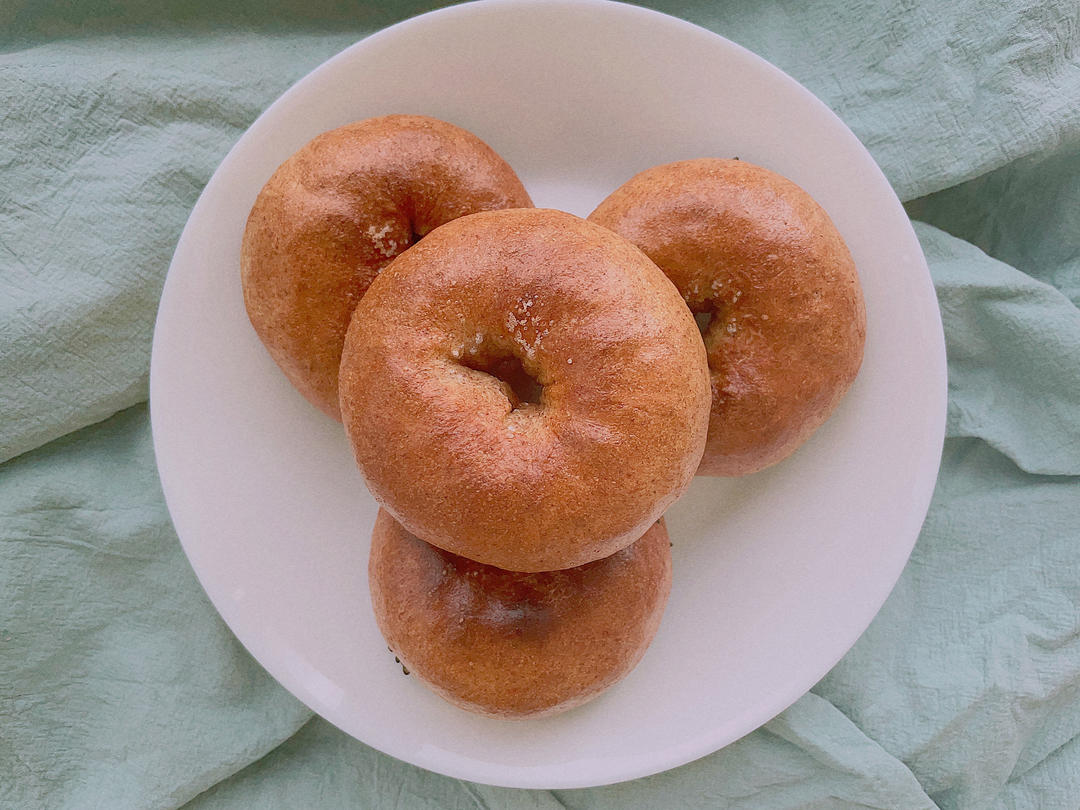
[[121, 688]]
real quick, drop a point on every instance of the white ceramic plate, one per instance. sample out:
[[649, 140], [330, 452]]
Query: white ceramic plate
[[776, 575]]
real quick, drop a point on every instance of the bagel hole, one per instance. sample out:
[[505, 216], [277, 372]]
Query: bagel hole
[[711, 317], [418, 232], [508, 369]]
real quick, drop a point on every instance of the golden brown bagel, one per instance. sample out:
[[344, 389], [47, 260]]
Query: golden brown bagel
[[755, 252], [436, 375], [337, 212], [516, 645]]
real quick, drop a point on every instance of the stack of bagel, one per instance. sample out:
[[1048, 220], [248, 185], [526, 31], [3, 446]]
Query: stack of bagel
[[526, 392]]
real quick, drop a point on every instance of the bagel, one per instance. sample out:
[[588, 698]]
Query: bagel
[[775, 290], [525, 389], [336, 213], [516, 645]]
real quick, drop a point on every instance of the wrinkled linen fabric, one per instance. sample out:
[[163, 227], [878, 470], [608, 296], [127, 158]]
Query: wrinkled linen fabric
[[119, 685]]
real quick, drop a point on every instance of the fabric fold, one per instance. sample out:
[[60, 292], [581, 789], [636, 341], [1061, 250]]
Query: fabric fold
[[120, 686], [1014, 356]]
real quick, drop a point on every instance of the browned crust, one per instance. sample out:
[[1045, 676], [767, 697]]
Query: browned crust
[[788, 320], [625, 403], [337, 212], [516, 645]]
